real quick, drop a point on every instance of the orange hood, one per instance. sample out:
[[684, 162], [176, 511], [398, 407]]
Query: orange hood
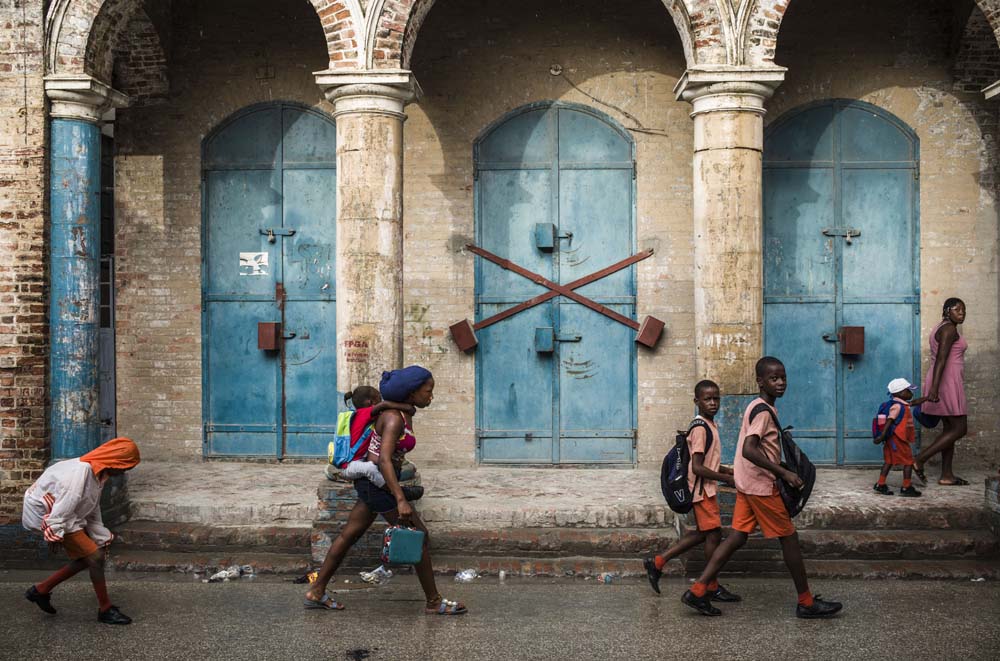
[[117, 453]]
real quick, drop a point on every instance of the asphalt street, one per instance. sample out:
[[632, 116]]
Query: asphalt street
[[178, 617]]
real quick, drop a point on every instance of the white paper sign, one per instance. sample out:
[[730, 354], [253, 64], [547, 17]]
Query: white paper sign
[[253, 263]]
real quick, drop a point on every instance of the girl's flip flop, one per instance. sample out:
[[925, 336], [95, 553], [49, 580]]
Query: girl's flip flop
[[919, 472], [327, 603], [447, 608], [958, 482]]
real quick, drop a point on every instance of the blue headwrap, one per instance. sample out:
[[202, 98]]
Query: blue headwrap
[[398, 385]]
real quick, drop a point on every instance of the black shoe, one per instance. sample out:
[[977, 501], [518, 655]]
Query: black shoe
[[653, 574], [819, 609], [113, 616], [701, 604], [722, 594], [882, 489], [413, 493], [43, 601], [910, 492]]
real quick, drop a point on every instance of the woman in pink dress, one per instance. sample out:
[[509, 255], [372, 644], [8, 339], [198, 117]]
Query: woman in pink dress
[[945, 390]]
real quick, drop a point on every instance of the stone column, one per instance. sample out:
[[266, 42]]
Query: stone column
[[77, 104], [728, 279], [368, 110]]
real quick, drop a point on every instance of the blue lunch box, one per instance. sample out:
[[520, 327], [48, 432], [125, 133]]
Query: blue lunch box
[[402, 546]]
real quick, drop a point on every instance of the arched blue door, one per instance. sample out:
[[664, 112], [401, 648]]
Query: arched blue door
[[268, 252], [556, 383], [840, 249]]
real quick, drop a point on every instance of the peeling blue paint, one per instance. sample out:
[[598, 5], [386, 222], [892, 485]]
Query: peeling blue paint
[[74, 274]]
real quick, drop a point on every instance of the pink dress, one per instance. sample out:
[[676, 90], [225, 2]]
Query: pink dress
[[951, 390]]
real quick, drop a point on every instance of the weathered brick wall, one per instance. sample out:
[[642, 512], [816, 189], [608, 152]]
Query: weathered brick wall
[[899, 59], [140, 63], [23, 327], [630, 60], [222, 57], [977, 62]]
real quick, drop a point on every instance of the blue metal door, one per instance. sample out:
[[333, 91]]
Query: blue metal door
[[840, 249], [555, 383], [269, 247]]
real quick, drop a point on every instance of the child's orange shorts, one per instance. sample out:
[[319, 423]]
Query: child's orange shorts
[[706, 513], [78, 545], [901, 456], [768, 512]]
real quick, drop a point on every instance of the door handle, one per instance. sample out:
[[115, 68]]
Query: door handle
[[288, 336], [568, 337], [831, 337]]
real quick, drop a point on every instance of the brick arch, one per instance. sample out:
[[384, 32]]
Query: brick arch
[[140, 63], [393, 32], [81, 34]]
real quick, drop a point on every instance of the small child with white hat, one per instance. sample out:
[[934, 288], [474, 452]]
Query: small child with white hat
[[898, 434]]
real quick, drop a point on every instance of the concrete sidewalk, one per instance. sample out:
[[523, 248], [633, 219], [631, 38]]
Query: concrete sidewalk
[[228, 494]]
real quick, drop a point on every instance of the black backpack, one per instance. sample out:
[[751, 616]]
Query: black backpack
[[796, 461], [674, 471]]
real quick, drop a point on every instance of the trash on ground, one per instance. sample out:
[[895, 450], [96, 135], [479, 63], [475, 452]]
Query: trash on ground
[[308, 577], [230, 573], [378, 576], [979, 579], [502, 575], [466, 576], [607, 577]]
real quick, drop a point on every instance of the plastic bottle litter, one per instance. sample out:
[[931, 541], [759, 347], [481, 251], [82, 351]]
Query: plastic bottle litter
[[980, 579], [503, 575], [466, 576], [230, 573], [607, 578], [378, 576]]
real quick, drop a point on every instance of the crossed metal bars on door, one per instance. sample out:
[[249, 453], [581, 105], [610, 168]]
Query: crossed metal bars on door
[[464, 332]]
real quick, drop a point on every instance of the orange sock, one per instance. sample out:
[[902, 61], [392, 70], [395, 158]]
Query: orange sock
[[659, 561], [806, 599], [103, 600], [907, 482], [69, 571], [699, 589], [881, 480], [713, 586]]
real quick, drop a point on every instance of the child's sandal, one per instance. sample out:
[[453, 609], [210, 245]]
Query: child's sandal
[[446, 607], [919, 472]]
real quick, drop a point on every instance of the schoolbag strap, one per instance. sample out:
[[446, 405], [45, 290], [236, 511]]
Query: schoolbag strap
[[365, 435], [764, 407]]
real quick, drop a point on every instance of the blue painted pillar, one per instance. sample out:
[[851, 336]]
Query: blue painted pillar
[[74, 197]]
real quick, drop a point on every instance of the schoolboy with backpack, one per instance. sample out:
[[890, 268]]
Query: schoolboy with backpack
[[893, 428], [689, 477], [768, 493]]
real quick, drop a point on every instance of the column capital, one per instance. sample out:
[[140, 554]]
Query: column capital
[[991, 91], [724, 88], [382, 91], [81, 97]]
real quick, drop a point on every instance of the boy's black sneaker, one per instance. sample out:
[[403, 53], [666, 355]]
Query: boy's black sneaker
[[43, 601], [722, 594], [882, 489], [701, 604], [818, 609], [910, 492], [113, 616], [652, 573]]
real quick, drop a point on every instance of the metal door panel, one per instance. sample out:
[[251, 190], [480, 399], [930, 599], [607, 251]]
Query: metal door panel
[[809, 139], [311, 396], [253, 141], [870, 137], [239, 259], [798, 258], [587, 139], [310, 209], [527, 138], [511, 203], [891, 332], [879, 203], [242, 388], [794, 333], [308, 138], [515, 387], [596, 207], [595, 379]]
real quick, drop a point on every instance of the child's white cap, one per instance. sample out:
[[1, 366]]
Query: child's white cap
[[899, 385]]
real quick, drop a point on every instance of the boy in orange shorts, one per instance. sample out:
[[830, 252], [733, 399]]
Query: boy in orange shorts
[[64, 504], [704, 472], [756, 468]]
